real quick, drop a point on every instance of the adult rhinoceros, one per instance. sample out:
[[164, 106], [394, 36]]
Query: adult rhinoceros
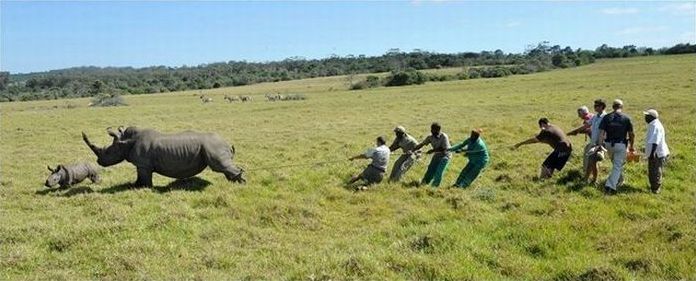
[[180, 155]]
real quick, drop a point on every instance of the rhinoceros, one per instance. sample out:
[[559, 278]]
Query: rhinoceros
[[67, 175], [181, 155]]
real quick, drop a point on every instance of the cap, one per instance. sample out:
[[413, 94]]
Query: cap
[[618, 102], [400, 129], [479, 131], [651, 112]]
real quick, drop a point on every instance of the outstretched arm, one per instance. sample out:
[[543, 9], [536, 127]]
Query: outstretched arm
[[359, 156], [578, 130], [459, 146], [528, 141]]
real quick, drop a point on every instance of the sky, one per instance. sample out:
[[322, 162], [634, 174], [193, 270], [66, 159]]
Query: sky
[[41, 36]]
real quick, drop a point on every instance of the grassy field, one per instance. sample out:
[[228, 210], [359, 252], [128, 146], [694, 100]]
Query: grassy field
[[300, 223]]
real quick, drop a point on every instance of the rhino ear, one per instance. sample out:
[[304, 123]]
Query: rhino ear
[[49, 168], [120, 130]]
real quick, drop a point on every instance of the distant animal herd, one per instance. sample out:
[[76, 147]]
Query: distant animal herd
[[243, 98]]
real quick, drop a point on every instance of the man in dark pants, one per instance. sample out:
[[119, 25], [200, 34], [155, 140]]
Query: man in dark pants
[[554, 137], [616, 131], [655, 148]]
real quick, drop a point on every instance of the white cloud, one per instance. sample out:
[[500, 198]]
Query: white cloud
[[681, 9], [641, 30], [619, 11], [512, 24]]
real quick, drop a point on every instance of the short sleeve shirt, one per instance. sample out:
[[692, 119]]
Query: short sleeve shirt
[[379, 156], [656, 135], [406, 143], [439, 143], [617, 125], [554, 137], [594, 127]]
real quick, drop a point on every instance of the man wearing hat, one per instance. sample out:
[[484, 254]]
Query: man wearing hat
[[655, 148], [477, 152], [616, 133], [373, 173], [406, 142]]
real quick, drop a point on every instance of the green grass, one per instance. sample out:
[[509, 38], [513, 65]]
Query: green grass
[[300, 223]]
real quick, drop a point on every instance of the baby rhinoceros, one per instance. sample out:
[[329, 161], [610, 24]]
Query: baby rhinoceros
[[67, 175]]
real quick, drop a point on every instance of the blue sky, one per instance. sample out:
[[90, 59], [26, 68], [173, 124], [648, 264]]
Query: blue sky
[[39, 36]]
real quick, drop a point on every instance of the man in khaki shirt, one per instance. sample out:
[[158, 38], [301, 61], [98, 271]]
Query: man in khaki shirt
[[406, 142], [441, 156]]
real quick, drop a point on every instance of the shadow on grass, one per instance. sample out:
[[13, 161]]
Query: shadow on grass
[[573, 181], [69, 191], [189, 184]]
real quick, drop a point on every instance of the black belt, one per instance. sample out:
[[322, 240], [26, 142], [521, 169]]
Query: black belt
[[378, 168]]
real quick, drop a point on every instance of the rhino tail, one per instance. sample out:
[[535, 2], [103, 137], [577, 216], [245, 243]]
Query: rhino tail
[[233, 150]]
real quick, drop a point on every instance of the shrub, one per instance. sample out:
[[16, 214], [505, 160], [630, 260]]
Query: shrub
[[408, 77], [108, 100], [370, 81]]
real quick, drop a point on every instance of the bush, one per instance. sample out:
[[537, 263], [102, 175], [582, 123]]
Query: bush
[[408, 77], [370, 81], [108, 100]]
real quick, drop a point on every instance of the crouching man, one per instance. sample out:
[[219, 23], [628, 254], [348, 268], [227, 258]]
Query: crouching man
[[374, 172]]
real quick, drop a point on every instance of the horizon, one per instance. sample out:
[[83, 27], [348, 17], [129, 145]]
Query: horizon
[[177, 34]]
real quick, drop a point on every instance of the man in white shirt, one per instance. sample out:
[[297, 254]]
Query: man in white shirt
[[655, 149], [591, 168], [373, 173]]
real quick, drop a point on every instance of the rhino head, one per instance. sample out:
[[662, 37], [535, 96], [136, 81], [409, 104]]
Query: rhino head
[[113, 154], [56, 175]]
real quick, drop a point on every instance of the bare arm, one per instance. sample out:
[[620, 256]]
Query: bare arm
[[359, 156], [528, 141], [578, 130], [602, 137], [631, 137]]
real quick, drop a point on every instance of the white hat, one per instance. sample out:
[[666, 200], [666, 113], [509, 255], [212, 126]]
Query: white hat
[[618, 102], [651, 112], [400, 129]]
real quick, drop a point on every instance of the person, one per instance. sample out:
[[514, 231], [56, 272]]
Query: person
[[585, 129], [406, 142], [592, 169], [616, 131], [441, 156], [656, 149], [477, 152], [374, 172], [554, 137]]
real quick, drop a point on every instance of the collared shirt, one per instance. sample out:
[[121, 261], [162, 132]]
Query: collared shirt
[[379, 156], [656, 135], [406, 143], [617, 125], [441, 142], [587, 125], [594, 126]]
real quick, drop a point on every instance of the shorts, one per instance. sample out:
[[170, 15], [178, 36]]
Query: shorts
[[557, 159], [372, 175]]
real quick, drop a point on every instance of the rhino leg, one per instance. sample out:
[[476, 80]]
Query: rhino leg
[[144, 177], [95, 178]]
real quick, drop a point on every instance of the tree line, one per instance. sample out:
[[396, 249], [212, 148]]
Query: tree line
[[92, 81]]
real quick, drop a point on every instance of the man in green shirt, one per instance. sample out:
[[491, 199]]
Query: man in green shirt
[[477, 152]]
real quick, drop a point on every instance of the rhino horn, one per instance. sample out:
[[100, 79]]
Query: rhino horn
[[112, 133], [93, 147]]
